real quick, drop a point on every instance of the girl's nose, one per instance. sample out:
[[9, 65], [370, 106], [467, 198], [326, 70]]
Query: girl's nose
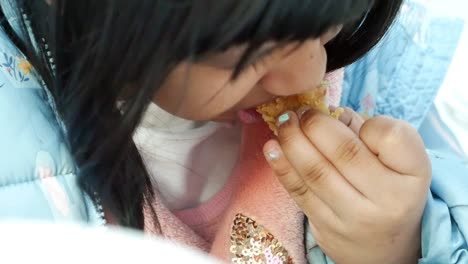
[[302, 69], [299, 71]]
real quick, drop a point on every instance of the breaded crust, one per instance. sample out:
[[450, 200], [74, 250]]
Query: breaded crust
[[316, 99]]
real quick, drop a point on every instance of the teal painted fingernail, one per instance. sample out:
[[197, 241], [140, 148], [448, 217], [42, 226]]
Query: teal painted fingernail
[[273, 155], [283, 118]]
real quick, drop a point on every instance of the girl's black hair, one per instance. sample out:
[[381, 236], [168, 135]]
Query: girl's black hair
[[110, 51]]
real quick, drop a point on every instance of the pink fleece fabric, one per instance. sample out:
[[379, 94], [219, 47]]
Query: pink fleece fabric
[[253, 190], [335, 80]]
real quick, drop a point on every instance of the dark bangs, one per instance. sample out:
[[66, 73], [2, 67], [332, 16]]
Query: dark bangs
[[256, 22]]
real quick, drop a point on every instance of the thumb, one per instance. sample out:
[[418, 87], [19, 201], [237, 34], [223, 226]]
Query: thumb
[[397, 145]]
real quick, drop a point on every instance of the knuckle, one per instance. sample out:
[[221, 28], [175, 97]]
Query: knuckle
[[377, 123], [310, 120], [286, 137], [283, 171], [295, 187], [298, 190], [315, 173], [392, 130], [349, 150], [397, 131]]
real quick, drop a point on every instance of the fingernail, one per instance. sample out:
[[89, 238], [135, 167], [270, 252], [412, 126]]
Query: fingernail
[[345, 118], [283, 118], [300, 112], [272, 155]]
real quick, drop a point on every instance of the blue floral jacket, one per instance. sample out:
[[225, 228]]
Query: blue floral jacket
[[37, 173], [399, 78]]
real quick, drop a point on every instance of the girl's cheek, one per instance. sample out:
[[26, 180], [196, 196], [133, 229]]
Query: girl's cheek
[[200, 92]]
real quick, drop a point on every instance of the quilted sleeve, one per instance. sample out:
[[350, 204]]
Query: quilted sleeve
[[37, 173]]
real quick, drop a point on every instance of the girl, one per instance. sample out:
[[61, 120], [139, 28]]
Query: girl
[[138, 103]]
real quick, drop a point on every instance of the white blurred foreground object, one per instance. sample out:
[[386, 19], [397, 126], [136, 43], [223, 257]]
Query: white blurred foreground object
[[54, 244], [446, 126], [452, 100]]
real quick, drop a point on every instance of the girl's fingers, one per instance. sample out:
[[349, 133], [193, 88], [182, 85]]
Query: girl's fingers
[[315, 171], [349, 155], [286, 174], [352, 120], [313, 206]]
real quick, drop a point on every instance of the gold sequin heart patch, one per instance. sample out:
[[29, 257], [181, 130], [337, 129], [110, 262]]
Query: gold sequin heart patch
[[251, 243]]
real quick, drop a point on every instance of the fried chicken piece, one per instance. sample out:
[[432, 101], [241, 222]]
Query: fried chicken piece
[[316, 99]]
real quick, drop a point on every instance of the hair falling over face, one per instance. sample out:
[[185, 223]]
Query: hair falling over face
[[101, 48]]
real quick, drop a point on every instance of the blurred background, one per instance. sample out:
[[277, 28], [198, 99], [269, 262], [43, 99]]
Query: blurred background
[[452, 99], [419, 73]]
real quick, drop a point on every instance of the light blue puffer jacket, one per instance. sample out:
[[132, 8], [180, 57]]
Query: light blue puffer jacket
[[37, 173]]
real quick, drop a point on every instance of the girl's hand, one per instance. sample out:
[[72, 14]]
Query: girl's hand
[[362, 185]]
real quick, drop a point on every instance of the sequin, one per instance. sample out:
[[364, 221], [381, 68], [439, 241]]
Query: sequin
[[251, 243]]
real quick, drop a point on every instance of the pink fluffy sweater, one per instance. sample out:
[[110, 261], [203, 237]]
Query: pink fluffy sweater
[[252, 219]]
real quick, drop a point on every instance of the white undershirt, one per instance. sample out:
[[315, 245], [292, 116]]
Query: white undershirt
[[189, 161]]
